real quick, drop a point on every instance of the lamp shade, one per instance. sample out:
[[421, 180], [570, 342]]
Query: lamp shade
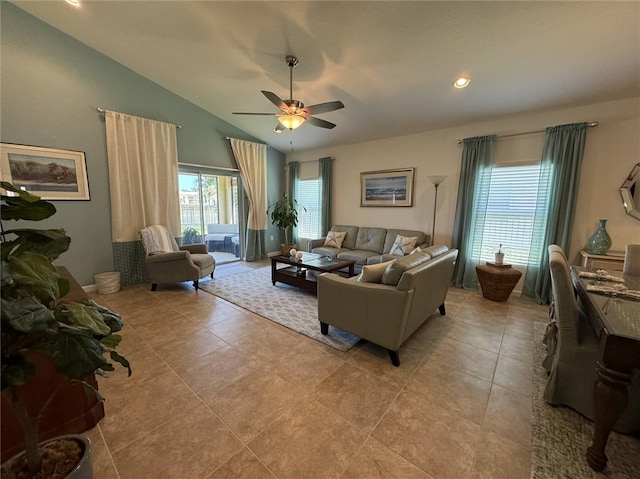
[[436, 180], [290, 121]]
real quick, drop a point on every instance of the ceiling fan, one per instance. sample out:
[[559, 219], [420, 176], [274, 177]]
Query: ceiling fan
[[293, 113]]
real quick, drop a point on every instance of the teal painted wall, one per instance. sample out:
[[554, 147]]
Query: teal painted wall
[[50, 88]]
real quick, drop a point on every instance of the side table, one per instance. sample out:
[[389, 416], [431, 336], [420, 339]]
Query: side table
[[497, 280]]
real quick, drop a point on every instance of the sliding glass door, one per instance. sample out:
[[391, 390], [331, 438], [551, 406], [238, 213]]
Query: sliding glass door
[[209, 212]]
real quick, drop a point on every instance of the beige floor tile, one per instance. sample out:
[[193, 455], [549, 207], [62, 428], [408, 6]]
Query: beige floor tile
[[520, 328], [244, 465], [436, 440], [500, 458], [376, 461], [485, 337], [308, 442], [509, 414], [357, 396], [186, 346], [145, 365], [236, 326], [189, 445], [514, 375], [253, 402], [306, 365], [453, 389], [517, 348], [209, 314], [375, 360], [103, 466], [465, 357], [266, 344], [131, 412], [216, 370]]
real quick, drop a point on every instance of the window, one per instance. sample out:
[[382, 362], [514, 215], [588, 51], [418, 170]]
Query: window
[[309, 197], [510, 214]]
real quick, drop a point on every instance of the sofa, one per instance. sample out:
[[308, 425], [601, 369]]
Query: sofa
[[387, 302], [367, 245], [223, 237]]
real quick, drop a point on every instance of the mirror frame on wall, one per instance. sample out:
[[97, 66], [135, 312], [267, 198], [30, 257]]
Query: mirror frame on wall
[[630, 192]]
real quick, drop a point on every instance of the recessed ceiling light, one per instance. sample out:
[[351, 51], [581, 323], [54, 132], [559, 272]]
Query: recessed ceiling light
[[75, 3], [461, 82]]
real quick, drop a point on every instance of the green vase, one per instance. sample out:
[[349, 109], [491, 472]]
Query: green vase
[[600, 241]]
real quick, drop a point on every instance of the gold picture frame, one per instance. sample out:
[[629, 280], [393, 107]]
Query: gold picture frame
[[387, 187], [50, 173]]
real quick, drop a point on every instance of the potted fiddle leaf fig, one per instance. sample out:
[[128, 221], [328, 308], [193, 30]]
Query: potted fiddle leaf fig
[[37, 323], [284, 215]]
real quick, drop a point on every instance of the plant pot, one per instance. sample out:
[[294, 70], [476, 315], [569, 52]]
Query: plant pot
[[285, 248], [82, 470], [499, 258]]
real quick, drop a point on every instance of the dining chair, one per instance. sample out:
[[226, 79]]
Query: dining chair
[[632, 260], [573, 368]]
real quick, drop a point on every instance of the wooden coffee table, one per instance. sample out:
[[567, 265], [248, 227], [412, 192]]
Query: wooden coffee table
[[304, 273]]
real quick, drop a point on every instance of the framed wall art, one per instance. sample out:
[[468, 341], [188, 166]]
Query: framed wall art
[[387, 187], [49, 173]]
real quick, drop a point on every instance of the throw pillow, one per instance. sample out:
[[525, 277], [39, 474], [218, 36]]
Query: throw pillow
[[394, 271], [403, 245], [372, 273], [334, 239]]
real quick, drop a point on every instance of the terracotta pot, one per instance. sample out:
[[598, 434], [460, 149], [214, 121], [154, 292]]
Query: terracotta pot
[[84, 468]]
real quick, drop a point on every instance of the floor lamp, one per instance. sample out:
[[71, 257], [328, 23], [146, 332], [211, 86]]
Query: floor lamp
[[436, 180]]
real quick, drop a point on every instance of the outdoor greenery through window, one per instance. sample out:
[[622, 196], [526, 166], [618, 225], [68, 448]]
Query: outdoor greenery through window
[[510, 214], [309, 197]]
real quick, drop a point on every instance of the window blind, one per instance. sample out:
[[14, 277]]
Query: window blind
[[511, 208], [309, 197]]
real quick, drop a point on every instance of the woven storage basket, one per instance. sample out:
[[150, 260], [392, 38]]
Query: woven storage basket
[[497, 282], [107, 283]]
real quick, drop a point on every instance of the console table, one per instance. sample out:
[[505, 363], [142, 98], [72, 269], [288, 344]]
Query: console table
[[497, 280], [611, 260]]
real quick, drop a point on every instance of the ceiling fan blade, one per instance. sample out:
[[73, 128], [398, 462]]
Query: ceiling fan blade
[[324, 107], [265, 114], [320, 123], [275, 99]]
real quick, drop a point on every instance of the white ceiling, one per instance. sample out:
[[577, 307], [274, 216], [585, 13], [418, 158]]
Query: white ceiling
[[391, 63]]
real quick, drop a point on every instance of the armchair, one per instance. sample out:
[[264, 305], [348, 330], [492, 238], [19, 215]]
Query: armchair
[[169, 263]]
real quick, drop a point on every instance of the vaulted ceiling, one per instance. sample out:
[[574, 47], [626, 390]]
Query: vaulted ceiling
[[391, 63]]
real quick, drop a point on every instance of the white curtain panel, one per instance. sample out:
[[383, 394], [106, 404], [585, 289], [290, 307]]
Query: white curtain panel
[[252, 162], [143, 175]]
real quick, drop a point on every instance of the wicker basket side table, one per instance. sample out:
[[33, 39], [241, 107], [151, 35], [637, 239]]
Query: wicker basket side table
[[497, 281]]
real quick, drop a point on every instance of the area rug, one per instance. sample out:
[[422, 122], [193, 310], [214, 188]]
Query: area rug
[[561, 437], [282, 304]]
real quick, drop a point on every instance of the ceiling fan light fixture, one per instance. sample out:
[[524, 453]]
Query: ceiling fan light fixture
[[75, 3], [290, 121], [461, 82]]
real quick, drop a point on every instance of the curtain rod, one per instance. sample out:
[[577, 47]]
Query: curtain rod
[[591, 124], [102, 110], [209, 167], [308, 161], [229, 138]]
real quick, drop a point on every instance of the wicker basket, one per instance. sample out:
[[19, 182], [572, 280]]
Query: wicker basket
[[497, 283]]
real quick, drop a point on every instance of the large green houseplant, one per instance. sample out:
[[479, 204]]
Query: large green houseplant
[[284, 215], [78, 337]]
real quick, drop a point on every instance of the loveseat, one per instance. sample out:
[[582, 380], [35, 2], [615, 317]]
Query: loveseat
[[388, 301], [367, 245]]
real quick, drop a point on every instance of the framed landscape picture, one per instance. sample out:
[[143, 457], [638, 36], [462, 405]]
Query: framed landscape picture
[[387, 187], [49, 173]]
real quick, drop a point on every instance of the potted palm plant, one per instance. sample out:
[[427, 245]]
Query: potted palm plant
[[77, 338], [284, 215]]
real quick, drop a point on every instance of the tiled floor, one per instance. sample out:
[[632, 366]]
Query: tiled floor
[[219, 392]]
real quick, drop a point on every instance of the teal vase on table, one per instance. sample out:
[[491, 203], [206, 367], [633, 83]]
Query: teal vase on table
[[600, 241]]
